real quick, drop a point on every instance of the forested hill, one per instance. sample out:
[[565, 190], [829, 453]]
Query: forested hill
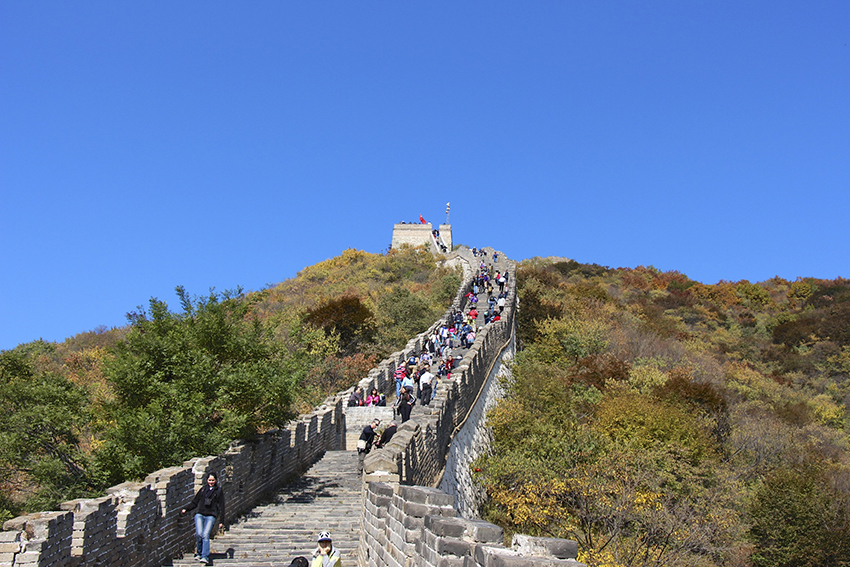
[[186, 376], [660, 421]]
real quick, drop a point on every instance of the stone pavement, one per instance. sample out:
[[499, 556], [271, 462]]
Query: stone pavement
[[326, 497]]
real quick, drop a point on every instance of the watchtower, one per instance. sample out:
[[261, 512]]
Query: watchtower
[[416, 234]]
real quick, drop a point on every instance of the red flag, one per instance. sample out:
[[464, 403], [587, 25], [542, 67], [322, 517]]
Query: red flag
[[422, 220]]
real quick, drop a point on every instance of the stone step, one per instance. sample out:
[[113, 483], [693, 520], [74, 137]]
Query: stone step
[[325, 498]]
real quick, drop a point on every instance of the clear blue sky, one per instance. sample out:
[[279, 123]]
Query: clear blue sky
[[145, 145]]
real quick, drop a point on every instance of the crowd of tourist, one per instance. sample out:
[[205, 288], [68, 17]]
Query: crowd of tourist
[[417, 379]]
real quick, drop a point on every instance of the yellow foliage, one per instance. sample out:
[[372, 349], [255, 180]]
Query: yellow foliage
[[828, 412], [646, 377], [724, 294], [752, 384], [642, 420], [598, 558], [841, 362], [571, 337]]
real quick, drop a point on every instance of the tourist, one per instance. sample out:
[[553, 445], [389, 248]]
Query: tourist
[[399, 375], [364, 444], [425, 387], [210, 504], [405, 404], [356, 398], [387, 434], [300, 562], [374, 398], [326, 555], [407, 383], [411, 364]]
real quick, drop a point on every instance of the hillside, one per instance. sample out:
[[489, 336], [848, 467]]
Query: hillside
[[115, 404], [661, 421]]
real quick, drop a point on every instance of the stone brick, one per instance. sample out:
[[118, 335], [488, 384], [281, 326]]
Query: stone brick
[[413, 523], [447, 527], [545, 546], [425, 495], [455, 547], [485, 532], [418, 510]]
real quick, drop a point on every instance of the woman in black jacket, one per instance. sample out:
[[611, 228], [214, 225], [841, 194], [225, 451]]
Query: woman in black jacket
[[210, 504]]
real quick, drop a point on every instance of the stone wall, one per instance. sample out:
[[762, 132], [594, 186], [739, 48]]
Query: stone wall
[[405, 526], [472, 440], [138, 524], [381, 377]]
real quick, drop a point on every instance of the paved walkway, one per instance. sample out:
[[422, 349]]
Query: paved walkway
[[327, 497]]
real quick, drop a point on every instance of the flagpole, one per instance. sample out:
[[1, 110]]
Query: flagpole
[[448, 206]]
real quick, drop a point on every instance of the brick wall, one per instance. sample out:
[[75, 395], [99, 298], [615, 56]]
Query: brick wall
[[417, 454], [138, 524], [406, 526]]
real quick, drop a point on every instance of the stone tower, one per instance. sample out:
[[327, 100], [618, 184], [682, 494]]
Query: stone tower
[[423, 233]]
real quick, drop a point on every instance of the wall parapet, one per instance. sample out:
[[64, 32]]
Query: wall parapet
[[403, 526], [138, 524]]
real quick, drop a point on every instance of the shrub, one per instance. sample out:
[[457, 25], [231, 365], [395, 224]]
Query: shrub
[[798, 519], [643, 422], [348, 318]]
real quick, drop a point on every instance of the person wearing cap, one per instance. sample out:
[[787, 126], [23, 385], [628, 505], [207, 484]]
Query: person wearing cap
[[326, 555]]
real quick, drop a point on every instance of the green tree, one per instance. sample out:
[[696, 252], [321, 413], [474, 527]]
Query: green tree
[[188, 383], [800, 520], [401, 316], [346, 316], [41, 415]]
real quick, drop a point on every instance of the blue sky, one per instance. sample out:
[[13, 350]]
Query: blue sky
[[145, 145]]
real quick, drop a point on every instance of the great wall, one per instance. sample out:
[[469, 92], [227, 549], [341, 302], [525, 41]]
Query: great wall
[[414, 505]]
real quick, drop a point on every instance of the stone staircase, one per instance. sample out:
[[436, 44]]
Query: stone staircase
[[325, 498]]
